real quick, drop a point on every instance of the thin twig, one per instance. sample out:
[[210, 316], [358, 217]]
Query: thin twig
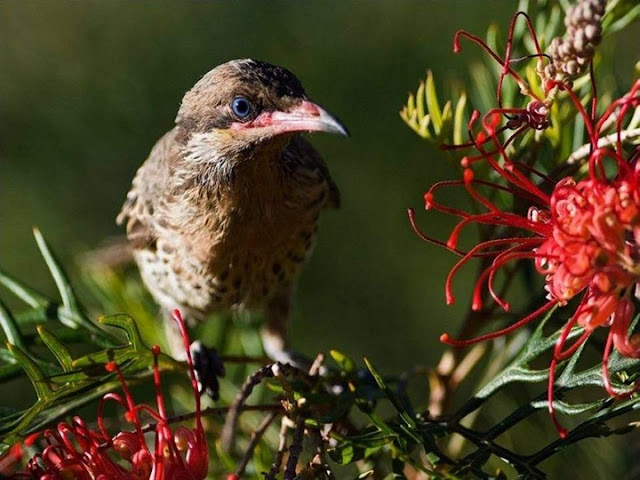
[[277, 461], [442, 385], [485, 444], [215, 412], [255, 438], [466, 364], [229, 430], [585, 150], [316, 366], [295, 449], [319, 461]]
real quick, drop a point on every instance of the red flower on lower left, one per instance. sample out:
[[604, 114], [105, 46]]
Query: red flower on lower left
[[75, 451]]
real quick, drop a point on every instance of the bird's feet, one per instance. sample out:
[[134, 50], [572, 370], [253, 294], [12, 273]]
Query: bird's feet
[[208, 367], [297, 360], [275, 347]]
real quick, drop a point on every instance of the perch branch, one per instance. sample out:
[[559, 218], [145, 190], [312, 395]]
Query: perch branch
[[255, 438]]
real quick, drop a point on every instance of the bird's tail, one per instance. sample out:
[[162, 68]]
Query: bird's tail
[[114, 252]]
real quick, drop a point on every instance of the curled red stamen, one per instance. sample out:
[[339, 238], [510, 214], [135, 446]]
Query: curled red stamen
[[445, 338]]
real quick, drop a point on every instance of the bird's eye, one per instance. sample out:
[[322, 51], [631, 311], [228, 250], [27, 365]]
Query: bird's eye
[[241, 107]]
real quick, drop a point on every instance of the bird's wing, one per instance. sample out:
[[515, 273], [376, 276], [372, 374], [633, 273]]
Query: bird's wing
[[310, 168], [145, 195]]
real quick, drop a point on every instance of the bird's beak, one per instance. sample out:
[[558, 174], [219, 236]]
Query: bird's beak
[[303, 117]]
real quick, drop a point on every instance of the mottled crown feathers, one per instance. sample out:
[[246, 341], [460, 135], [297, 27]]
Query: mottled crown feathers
[[267, 86]]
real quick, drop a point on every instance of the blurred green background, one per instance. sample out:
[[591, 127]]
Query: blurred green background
[[87, 87]]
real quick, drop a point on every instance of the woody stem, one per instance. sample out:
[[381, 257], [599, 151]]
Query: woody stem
[[583, 152]]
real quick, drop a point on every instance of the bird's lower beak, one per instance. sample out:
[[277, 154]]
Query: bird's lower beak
[[304, 117]]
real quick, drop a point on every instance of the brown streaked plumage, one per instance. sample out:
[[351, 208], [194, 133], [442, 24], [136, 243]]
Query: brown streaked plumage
[[224, 211]]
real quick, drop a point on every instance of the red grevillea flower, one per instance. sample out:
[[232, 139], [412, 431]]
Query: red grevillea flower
[[533, 116], [10, 460], [75, 451], [584, 236]]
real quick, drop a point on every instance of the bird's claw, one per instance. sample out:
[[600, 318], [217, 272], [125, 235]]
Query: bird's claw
[[208, 367], [298, 361]]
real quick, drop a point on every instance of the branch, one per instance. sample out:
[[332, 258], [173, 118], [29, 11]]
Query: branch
[[277, 462], [295, 449], [229, 429], [585, 150], [255, 438], [216, 411]]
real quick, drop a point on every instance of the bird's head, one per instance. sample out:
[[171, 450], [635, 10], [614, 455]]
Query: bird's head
[[243, 103]]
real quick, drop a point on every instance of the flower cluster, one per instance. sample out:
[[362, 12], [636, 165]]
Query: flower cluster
[[583, 234], [573, 54], [76, 451]]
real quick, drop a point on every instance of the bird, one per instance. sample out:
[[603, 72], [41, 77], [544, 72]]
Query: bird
[[224, 212]]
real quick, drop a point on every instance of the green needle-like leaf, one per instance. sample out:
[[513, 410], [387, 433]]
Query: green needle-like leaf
[[432, 103], [60, 278], [128, 324], [32, 369], [26, 294], [406, 417], [459, 126], [420, 101], [345, 363], [10, 327], [59, 350]]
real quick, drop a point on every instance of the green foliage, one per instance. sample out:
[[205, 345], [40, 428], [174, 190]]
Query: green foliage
[[439, 123], [64, 383], [407, 435], [549, 152], [622, 13], [425, 114]]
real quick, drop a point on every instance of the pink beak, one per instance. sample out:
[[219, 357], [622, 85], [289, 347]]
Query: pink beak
[[304, 117]]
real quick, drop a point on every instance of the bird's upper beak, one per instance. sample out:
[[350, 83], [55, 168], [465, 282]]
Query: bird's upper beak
[[303, 117]]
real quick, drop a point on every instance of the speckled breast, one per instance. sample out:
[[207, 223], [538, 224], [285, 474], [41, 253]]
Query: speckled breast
[[241, 271]]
